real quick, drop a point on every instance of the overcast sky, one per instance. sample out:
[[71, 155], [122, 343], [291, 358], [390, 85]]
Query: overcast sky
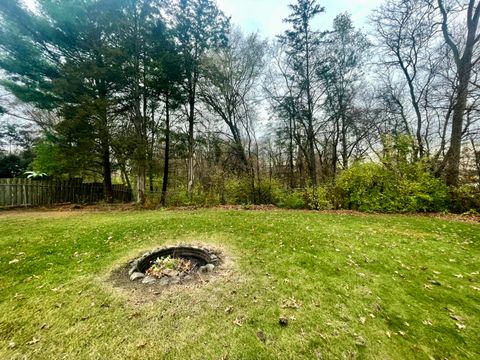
[[265, 16]]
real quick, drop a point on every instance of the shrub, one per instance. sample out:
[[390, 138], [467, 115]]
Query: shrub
[[361, 187], [317, 199], [309, 198], [268, 192], [241, 191], [375, 187], [238, 191], [292, 200], [466, 198], [178, 197]]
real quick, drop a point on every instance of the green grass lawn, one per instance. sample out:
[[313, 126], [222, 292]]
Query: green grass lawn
[[351, 286]]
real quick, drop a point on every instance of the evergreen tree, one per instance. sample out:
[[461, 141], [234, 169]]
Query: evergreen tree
[[70, 65], [200, 26], [302, 44]]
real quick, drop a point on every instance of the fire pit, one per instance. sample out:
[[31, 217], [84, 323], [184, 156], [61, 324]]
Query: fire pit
[[172, 265]]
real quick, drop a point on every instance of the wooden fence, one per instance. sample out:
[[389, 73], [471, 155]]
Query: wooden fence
[[28, 192]]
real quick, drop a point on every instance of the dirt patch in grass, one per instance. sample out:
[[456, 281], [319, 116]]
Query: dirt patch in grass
[[137, 293], [470, 218]]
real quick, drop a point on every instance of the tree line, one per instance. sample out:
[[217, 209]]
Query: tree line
[[169, 94]]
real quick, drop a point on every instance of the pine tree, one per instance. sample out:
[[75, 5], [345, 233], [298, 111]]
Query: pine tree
[[200, 27], [302, 43], [58, 59]]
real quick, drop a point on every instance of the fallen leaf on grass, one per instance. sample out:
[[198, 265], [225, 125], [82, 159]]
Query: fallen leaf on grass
[[461, 326], [456, 317], [291, 303], [33, 341], [14, 261], [58, 288], [228, 309], [360, 341], [141, 344], [238, 321]]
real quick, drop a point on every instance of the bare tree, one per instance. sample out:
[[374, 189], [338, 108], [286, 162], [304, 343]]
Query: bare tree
[[345, 54], [228, 87], [302, 45], [465, 51], [405, 34]]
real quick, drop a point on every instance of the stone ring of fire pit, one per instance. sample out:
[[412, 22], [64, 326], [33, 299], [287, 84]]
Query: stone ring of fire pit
[[190, 261]]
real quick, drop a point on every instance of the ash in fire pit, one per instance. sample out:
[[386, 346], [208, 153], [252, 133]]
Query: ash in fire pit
[[172, 265]]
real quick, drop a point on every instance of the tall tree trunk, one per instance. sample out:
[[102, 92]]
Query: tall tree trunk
[[141, 161], [452, 169], [123, 169], [166, 169], [191, 144], [344, 144], [150, 173], [107, 171], [105, 141], [312, 164], [151, 148], [464, 66], [290, 153], [419, 147]]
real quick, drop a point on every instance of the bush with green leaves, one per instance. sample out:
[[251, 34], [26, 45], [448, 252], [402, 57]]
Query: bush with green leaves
[[466, 199], [376, 187], [309, 198], [293, 199], [317, 198], [244, 191], [238, 191]]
